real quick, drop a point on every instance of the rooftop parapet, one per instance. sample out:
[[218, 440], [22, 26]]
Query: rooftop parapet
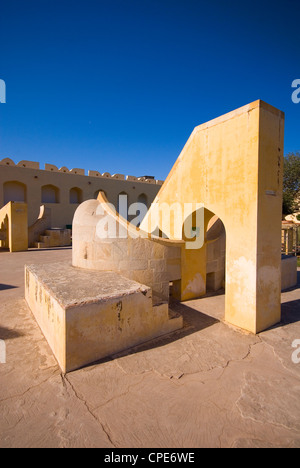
[[78, 171]]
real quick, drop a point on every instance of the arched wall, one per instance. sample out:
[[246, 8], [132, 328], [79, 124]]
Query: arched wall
[[76, 196], [49, 194], [233, 165], [14, 191]]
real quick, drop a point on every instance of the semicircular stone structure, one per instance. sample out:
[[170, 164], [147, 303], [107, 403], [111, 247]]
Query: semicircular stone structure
[[115, 294]]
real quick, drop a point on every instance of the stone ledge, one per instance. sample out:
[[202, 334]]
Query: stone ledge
[[90, 315], [72, 286]]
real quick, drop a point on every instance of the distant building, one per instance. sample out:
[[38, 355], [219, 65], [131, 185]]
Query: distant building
[[63, 190]]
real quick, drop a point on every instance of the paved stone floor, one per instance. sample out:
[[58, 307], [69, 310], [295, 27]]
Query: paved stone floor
[[209, 385]]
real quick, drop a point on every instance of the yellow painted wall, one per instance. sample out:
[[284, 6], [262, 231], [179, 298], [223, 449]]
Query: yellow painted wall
[[96, 316], [15, 218], [233, 165]]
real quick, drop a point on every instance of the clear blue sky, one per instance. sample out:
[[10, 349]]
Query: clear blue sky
[[119, 85]]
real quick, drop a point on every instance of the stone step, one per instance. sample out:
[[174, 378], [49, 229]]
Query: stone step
[[90, 315], [54, 238], [40, 245], [45, 240]]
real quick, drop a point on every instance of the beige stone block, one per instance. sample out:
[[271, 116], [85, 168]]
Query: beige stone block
[[139, 248], [118, 176], [173, 262], [131, 178], [288, 272], [161, 276], [141, 276], [51, 168], [97, 315], [157, 250], [158, 265], [94, 174], [45, 241], [161, 292], [64, 169], [120, 250], [172, 252], [133, 265], [103, 252], [77, 171], [100, 264], [29, 164], [7, 162]]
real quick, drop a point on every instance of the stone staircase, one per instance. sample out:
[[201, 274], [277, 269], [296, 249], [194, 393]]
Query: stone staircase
[[55, 238]]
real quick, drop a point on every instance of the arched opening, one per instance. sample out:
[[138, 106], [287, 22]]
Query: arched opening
[[142, 198], [215, 255], [97, 193], [14, 191], [122, 208], [50, 194], [203, 269], [75, 196]]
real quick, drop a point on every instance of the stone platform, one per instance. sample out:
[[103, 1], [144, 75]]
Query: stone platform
[[54, 238], [87, 315], [167, 393]]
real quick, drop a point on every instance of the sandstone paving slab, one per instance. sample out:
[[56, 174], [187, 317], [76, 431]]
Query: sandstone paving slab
[[187, 396], [39, 408], [282, 336], [241, 404], [160, 399], [209, 385]]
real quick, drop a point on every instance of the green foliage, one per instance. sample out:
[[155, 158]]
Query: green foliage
[[291, 183]]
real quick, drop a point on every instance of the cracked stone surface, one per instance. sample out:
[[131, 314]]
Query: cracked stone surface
[[72, 286], [209, 385]]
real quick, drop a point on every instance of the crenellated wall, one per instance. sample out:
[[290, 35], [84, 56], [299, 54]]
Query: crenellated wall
[[77, 171], [62, 190]]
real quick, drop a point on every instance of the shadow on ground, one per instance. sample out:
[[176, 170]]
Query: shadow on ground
[[9, 334], [194, 321], [290, 311], [3, 287]]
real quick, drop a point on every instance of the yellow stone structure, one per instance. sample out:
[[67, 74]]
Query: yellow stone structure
[[14, 227], [234, 166], [116, 292]]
